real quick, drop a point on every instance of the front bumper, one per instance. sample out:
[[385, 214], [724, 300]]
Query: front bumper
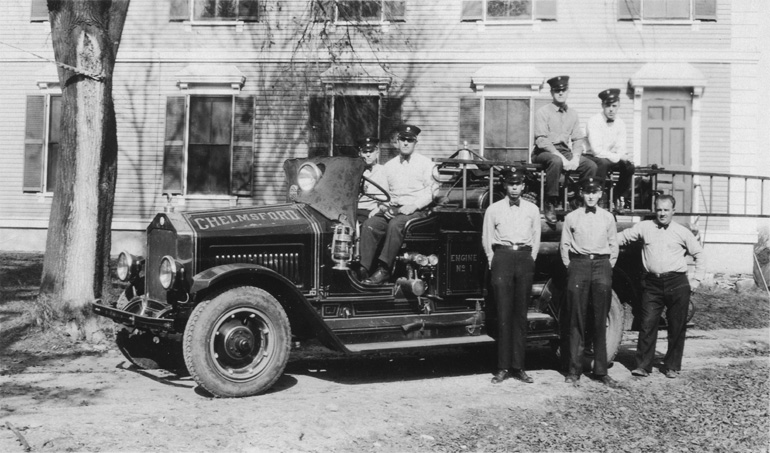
[[131, 319]]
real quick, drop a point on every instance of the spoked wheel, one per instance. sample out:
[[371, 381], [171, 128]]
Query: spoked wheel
[[237, 343], [142, 348]]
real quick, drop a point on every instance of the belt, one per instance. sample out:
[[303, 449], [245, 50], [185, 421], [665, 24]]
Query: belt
[[588, 256], [665, 274], [522, 247]]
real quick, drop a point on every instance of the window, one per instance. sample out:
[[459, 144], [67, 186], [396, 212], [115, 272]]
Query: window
[[667, 10], [214, 10], [209, 145], [41, 142], [508, 10], [38, 11], [360, 10], [338, 122]]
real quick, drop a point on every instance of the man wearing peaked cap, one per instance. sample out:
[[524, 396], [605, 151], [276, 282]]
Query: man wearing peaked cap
[[606, 133], [409, 180], [589, 249], [558, 144], [511, 240], [369, 151]]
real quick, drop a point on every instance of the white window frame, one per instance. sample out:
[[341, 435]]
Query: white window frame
[[380, 21], [690, 21], [191, 20], [494, 21], [48, 89]]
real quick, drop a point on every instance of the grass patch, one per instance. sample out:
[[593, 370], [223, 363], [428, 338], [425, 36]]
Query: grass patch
[[719, 308]]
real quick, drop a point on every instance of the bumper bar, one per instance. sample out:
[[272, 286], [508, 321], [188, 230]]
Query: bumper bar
[[131, 319]]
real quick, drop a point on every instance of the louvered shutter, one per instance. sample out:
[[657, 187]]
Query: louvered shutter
[[34, 140], [319, 124], [470, 122], [248, 10], [705, 9], [390, 120], [629, 9], [545, 9], [179, 10], [395, 11], [472, 10], [39, 11], [243, 146], [173, 148]]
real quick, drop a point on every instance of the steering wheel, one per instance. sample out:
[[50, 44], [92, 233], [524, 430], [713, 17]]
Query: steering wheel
[[380, 195]]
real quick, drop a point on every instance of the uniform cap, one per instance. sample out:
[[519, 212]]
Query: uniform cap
[[511, 176], [609, 96], [591, 185], [559, 82], [408, 131], [368, 143]]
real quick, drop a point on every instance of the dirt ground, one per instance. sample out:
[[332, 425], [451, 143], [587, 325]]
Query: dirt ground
[[89, 398]]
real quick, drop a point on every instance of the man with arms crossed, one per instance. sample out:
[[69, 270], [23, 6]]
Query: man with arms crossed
[[589, 249], [666, 285], [408, 178], [511, 240]]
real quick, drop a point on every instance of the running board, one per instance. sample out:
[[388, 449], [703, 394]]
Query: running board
[[427, 342]]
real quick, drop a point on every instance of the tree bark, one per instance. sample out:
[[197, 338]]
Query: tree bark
[[86, 36]]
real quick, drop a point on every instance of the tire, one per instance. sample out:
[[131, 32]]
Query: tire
[[237, 342], [614, 332], [144, 349]]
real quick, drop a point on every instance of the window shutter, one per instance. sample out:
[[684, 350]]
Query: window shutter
[[545, 9], [629, 9], [472, 10], [39, 11], [33, 144], [248, 10], [319, 124], [705, 9], [390, 120], [179, 10], [470, 121], [173, 149], [243, 146], [395, 11], [323, 10]]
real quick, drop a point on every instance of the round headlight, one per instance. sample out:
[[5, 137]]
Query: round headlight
[[168, 272], [307, 176], [124, 266]]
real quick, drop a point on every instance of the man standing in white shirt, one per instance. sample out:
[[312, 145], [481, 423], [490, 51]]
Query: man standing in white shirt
[[408, 178], [606, 134]]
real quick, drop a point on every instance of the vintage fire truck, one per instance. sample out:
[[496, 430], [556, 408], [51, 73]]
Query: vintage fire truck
[[223, 294]]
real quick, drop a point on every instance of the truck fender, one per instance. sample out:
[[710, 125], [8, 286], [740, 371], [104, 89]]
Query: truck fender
[[302, 315]]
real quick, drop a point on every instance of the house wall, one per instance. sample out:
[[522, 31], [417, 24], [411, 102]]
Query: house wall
[[431, 57]]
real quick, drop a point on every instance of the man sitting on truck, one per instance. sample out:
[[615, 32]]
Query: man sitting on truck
[[408, 178], [369, 150]]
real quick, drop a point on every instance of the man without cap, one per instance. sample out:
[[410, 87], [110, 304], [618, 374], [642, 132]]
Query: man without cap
[[557, 142], [589, 249], [511, 240], [408, 178], [665, 285], [606, 133], [369, 151]]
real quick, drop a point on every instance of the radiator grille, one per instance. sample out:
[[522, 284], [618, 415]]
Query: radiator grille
[[286, 264]]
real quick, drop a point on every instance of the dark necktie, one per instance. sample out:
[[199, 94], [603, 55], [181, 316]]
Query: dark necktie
[[663, 227], [590, 209], [563, 108], [515, 202], [405, 158], [609, 121]]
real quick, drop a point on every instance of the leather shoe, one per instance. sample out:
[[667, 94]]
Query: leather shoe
[[500, 376], [609, 382], [381, 276], [572, 379], [363, 274], [640, 372], [521, 375], [672, 374], [549, 212]]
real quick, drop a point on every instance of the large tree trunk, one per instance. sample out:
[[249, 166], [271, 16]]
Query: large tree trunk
[[86, 35]]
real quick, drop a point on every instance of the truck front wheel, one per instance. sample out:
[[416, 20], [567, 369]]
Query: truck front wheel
[[237, 343]]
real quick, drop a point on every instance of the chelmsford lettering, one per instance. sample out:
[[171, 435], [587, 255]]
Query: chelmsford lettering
[[204, 223]]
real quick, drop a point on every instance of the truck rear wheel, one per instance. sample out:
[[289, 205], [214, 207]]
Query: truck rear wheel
[[237, 342], [143, 349]]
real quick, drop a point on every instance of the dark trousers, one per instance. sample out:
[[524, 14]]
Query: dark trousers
[[625, 171], [378, 230], [553, 166], [671, 292], [511, 279], [588, 282]]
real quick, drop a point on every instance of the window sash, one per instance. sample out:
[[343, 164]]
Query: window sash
[[209, 150], [52, 144], [507, 124], [509, 10], [353, 117]]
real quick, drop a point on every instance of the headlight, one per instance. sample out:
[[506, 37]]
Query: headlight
[[168, 272], [128, 266], [307, 176]]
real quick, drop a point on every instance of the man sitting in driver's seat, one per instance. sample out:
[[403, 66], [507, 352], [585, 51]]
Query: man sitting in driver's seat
[[409, 180]]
